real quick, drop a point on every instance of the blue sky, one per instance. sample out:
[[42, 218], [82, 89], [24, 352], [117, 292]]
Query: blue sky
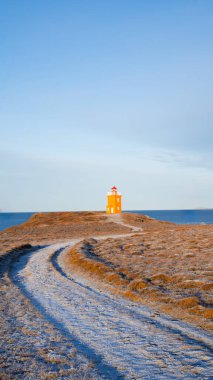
[[102, 93]]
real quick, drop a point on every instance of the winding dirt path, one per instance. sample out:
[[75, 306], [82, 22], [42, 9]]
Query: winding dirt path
[[126, 340]]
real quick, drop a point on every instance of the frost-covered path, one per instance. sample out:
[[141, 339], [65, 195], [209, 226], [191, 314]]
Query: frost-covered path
[[125, 340]]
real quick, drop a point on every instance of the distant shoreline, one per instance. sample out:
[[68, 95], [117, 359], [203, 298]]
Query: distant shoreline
[[185, 217]]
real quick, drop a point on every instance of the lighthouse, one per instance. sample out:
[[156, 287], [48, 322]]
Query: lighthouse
[[113, 201]]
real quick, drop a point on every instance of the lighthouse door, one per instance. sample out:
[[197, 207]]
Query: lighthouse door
[[112, 210]]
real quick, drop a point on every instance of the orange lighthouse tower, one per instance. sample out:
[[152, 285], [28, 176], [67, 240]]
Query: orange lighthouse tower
[[113, 201]]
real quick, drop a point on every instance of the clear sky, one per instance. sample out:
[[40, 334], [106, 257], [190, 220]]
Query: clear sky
[[102, 93]]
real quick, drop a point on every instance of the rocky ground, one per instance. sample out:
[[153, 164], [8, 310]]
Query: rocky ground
[[74, 309]]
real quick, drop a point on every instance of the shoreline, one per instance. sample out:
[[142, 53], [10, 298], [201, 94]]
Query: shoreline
[[182, 217]]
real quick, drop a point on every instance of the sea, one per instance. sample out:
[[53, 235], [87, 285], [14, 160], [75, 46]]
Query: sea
[[9, 219]]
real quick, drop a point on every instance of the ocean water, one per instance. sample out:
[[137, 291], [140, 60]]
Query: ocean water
[[180, 216], [9, 219]]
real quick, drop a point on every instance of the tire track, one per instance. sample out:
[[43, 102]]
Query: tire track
[[125, 340]]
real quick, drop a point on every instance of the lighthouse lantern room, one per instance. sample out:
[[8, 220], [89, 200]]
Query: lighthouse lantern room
[[114, 201]]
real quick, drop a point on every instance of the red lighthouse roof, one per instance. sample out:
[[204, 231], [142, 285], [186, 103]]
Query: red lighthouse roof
[[114, 188]]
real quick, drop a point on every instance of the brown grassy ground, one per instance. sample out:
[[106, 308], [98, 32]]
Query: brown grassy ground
[[30, 347], [46, 228], [168, 267]]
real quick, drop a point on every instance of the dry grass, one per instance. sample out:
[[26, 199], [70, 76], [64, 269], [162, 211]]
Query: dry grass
[[168, 266], [58, 226], [76, 258], [208, 287], [63, 218], [208, 313], [130, 295], [188, 302], [138, 285]]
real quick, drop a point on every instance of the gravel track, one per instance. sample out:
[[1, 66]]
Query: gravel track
[[123, 339], [31, 347]]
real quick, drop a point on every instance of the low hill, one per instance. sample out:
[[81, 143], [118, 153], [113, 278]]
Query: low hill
[[45, 228]]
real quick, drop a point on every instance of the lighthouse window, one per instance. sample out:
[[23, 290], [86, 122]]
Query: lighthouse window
[[118, 199], [117, 208]]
